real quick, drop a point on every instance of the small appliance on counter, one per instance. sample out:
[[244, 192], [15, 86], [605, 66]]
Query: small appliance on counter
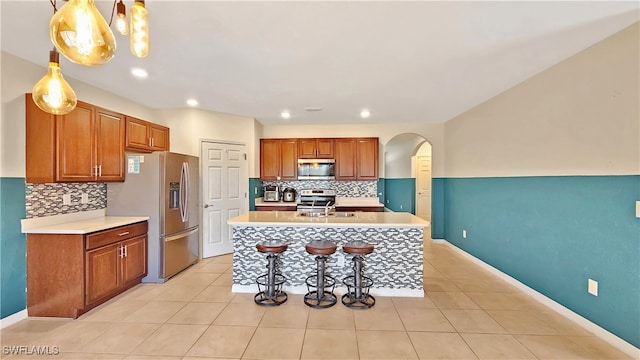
[[271, 193], [289, 195]]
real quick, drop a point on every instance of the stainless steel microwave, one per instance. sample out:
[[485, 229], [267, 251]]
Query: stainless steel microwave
[[316, 169]]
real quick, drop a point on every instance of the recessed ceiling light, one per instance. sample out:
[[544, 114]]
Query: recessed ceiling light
[[365, 113], [192, 102], [285, 114], [139, 73]]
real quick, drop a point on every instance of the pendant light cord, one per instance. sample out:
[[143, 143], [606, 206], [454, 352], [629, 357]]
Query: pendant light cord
[[53, 3], [112, 10]]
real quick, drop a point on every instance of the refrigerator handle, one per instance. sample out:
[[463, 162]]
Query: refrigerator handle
[[184, 192]]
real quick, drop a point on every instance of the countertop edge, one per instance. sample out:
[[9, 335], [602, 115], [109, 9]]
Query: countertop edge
[[87, 226], [325, 224]]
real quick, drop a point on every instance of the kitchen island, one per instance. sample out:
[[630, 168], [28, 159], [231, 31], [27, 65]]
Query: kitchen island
[[396, 265]]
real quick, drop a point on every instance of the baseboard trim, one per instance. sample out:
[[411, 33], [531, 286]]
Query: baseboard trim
[[597, 330], [14, 318], [302, 289]]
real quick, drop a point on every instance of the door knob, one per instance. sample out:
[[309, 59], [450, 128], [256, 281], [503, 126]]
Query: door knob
[[206, 206]]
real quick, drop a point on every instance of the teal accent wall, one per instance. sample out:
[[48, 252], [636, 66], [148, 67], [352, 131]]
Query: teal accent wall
[[437, 208], [254, 183], [13, 267], [400, 194], [552, 234]]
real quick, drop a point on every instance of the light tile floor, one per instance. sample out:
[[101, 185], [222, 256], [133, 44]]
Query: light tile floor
[[467, 313]]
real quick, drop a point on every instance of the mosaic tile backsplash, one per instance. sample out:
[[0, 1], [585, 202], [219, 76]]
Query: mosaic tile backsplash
[[46, 199], [342, 188]]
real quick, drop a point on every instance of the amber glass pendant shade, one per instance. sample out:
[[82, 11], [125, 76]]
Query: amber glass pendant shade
[[121, 22], [53, 93], [139, 32], [81, 34]]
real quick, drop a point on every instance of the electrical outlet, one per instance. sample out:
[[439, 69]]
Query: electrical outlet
[[340, 261], [400, 206], [141, 157], [593, 287], [84, 199], [464, 234], [66, 199], [638, 209]]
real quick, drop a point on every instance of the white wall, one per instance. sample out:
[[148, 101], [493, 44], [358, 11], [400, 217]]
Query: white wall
[[434, 133], [189, 126], [580, 117], [398, 155]]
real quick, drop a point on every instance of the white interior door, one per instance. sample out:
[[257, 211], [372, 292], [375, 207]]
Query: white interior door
[[225, 179], [423, 187]]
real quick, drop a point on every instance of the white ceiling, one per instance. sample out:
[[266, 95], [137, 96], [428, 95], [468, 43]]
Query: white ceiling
[[405, 61]]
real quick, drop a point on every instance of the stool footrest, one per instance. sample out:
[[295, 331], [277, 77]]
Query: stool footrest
[[320, 299]]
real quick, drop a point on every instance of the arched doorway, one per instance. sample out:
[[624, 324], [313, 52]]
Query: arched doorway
[[407, 175]]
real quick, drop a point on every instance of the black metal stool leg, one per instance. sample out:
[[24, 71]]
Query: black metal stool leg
[[320, 297], [272, 281], [358, 285]]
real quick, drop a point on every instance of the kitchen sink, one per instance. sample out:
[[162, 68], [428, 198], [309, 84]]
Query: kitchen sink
[[322, 214]]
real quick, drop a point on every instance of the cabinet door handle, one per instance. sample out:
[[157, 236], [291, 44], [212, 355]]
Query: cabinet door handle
[[123, 233], [125, 250], [99, 170], [121, 249]]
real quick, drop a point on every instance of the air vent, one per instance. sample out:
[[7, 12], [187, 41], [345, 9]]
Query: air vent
[[312, 108]]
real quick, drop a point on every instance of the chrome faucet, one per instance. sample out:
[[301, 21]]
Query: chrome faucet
[[327, 207]]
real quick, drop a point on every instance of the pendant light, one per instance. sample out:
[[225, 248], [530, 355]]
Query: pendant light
[[81, 34], [53, 93], [121, 21], [139, 38]]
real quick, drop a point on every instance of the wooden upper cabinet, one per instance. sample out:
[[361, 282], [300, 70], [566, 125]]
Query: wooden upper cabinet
[[315, 148], [85, 145], [110, 145], [278, 159], [76, 144], [346, 168], [40, 144], [159, 137], [144, 136], [367, 158], [356, 158]]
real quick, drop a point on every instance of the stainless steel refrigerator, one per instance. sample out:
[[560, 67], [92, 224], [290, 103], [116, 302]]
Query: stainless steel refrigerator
[[165, 187]]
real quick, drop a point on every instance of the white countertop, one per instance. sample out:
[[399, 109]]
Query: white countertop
[[79, 223], [360, 219]]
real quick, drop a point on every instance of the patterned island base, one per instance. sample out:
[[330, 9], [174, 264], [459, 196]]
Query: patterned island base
[[396, 265]]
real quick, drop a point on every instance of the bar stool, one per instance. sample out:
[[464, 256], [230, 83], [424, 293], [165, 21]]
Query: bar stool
[[270, 293], [320, 297], [358, 285]]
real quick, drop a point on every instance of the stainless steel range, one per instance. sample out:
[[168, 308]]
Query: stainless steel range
[[315, 200]]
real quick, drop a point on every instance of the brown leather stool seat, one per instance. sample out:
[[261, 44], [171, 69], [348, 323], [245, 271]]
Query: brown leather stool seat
[[321, 247], [272, 246], [358, 247], [318, 296], [272, 280], [358, 285]]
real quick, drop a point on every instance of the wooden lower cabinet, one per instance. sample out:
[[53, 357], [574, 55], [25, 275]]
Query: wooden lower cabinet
[[68, 274]]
